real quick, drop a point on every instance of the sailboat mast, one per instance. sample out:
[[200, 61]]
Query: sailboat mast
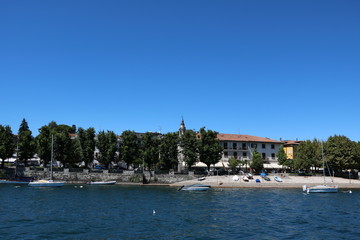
[[323, 160], [52, 156]]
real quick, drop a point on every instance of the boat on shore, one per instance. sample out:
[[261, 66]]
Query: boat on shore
[[278, 179], [194, 187], [102, 183]]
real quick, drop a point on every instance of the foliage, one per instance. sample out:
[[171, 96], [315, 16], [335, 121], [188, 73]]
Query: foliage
[[341, 153], [150, 149], [210, 150], [107, 146], [7, 145], [129, 148], [305, 156], [43, 141], [26, 143], [87, 145], [189, 147], [233, 163], [169, 150], [281, 155], [257, 163]]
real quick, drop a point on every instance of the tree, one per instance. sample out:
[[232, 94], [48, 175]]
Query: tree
[[210, 150], [189, 147], [7, 145], [305, 156], [257, 163], [87, 145], [233, 164], [281, 155], [26, 143], [150, 149], [340, 153], [43, 141], [107, 145], [169, 150], [129, 148]]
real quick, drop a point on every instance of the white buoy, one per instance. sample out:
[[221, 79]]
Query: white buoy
[[81, 186], [154, 212], [350, 191]]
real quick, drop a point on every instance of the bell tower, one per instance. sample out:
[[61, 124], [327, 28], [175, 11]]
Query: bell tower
[[182, 128]]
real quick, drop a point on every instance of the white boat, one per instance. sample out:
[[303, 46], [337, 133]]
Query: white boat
[[102, 183], [245, 178], [321, 188], [195, 187], [51, 182], [278, 179]]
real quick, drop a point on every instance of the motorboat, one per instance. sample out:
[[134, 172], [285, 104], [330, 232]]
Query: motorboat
[[102, 183], [46, 183], [321, 189], [278, 179], [245, 178], [195, 187]]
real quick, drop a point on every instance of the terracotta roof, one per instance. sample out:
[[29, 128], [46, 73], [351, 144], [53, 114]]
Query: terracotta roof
[[244, 138], [291, 142]]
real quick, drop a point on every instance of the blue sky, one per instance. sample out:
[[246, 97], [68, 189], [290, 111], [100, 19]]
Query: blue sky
[[277, 69]]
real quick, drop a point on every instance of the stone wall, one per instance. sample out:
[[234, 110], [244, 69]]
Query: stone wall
[[126, 176]]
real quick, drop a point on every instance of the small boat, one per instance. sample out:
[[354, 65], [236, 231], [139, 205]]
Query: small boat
[[266, 178], [278, 179], [258, 180], [102, 183], [201, 179], [46, 183], [194, 187], [236, 178], [245, 178], [321, 189]]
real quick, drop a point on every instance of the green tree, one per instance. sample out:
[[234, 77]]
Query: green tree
[[233, 164], [210, 151], [129, 148], [107, 145], [87, 145], [281, 155], [43, 141], [169, 150], [305, 156], [26, 143], [340, 153], [257, 163], [150, 149], [7, 144], [189, 147]]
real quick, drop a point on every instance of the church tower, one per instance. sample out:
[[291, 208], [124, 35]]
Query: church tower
[[182, 128], [181, 163]]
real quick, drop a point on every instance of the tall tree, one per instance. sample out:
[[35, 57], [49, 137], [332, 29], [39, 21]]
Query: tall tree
[[169, 150], [150, 149], [129, 147], [305, 156], [189, 147], [26, 143], [210, 151], [87, 145], [340, 153], [7, 144], [257, 163], [107, 145], [43, 141], [281, 155], [233, 164]]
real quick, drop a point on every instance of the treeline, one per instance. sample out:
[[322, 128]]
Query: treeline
[[339, 152], [73, 147]]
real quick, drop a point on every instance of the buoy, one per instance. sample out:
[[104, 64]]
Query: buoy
[[81, 186], [75, 186], [350, 191], [154, 212]]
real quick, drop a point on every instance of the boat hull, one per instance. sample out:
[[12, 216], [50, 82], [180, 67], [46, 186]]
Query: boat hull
[[102, 183], [195, 187], [322, 189], [46, 184]]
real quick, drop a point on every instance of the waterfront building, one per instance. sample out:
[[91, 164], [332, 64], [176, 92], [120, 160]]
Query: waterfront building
[[290, 147]]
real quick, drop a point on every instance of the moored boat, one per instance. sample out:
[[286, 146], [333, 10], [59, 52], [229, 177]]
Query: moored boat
[[195, 187], [278, 179], [102, 183], [321, 189], [46, 183]]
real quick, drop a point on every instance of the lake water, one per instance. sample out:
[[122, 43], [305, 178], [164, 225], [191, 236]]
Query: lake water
[[126, 212]]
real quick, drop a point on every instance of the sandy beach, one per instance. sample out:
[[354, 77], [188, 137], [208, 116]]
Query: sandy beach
[[288, 182]]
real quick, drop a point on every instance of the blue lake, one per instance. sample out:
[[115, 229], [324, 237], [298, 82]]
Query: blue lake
[[126, 212]]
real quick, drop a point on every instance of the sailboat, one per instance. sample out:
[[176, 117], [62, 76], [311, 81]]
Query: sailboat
[[322, 188], [50, 182]]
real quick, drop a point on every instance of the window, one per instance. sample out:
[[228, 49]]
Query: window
[[235, 154], [226, 154], [225, 146], [263, 156], [253, 145], [244, 154], [263, 145], [234, 145], [273, 155], [244, 146], [272, 146]]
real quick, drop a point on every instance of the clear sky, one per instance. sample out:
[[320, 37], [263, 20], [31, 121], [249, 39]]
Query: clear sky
[[277, 69]]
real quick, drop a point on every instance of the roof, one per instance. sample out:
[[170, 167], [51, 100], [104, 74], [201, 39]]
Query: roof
[[291, 142], [244, 138]]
